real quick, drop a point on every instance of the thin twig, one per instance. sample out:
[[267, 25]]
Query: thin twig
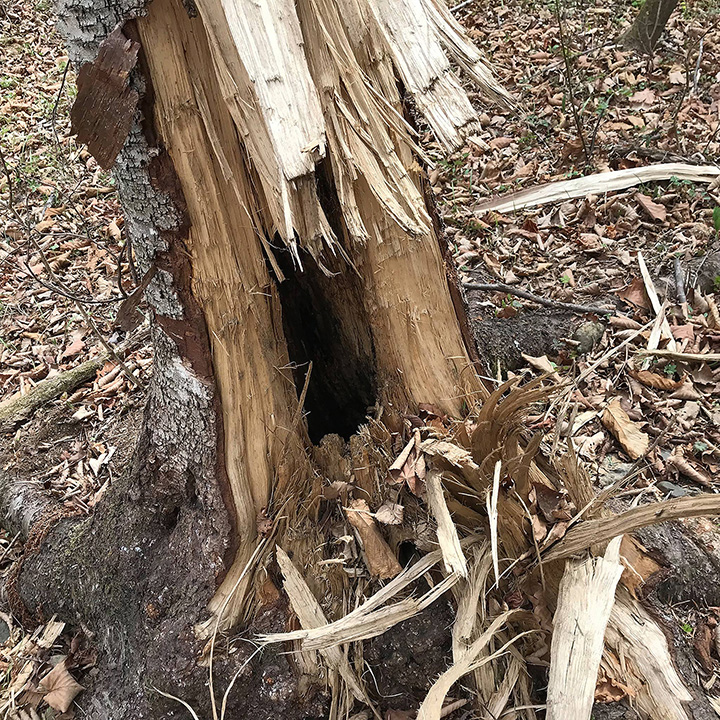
[[57, 101], [711, 139], [568, 82], [569, 307], [696, 75], [110, 349], [601, 115], [6, 171], [682, 356], [58, 290]]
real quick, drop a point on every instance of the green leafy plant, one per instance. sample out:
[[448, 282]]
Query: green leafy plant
[[700, 447]]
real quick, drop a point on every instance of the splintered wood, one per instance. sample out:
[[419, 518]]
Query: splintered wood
[[447, 534], [645, 664], [311, 615], [597, 184], [374, 617], [380, 560], [424, 68], [585, 599], [300, 86], [583, 536]]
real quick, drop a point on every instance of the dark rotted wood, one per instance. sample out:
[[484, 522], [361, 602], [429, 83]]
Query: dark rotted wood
[[105, 105]]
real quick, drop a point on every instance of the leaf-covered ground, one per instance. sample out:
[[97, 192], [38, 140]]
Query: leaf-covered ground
[[632, 111], [62, 242]]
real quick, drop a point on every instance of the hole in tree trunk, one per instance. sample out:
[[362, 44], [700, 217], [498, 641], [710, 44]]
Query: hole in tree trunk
[[325, 323]]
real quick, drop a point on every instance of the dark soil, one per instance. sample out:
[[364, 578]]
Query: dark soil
[[403, 663], [503, 341]]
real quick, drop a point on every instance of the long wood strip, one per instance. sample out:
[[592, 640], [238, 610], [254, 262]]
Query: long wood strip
[[582, 536], [598, 184]]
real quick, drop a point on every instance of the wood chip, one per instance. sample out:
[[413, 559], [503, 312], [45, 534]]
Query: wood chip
[[585, 599], [379, 558], [371, 618], [447, 535]]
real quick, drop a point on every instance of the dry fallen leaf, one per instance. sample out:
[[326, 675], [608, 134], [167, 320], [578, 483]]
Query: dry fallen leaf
[[75, 347], [390, 513], [653, 380], [113, 231], [542, 364], [60, 688], [639, 566], [643, 97], [686, 391], [633, 441], [636, 294], [409, 467], [655, 210], [610, 690], [677, 462], [702, 645]]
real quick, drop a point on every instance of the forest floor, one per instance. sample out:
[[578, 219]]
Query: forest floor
[[64, 253]]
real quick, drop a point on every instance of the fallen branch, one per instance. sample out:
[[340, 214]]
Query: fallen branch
[[583, 536], [510, 290], [600, 183], [18, 409]]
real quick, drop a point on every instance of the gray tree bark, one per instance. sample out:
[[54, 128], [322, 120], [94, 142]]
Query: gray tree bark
[[649, 25]]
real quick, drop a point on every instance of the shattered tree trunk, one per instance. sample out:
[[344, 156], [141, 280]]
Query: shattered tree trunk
[[277, 207], [649, 25], [269, 180]]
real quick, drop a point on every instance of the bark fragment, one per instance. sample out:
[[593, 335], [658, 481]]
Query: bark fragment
[[104, 109]]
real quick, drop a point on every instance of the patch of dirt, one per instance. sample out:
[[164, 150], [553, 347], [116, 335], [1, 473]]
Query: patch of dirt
[[402, 663], [503, 341]]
